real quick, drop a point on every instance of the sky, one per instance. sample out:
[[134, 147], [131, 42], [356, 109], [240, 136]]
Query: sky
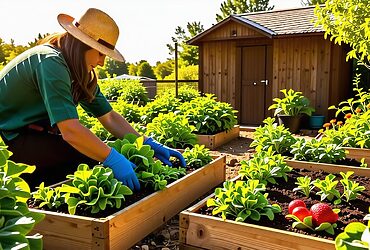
[[146, 26]]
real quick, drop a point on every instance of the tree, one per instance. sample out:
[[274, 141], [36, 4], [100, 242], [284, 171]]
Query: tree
[[37, 39], [312, 2], [230, 7], [114, 67], [187, 53], [162, 70], [144, 69], [347, 21], [132, 69]]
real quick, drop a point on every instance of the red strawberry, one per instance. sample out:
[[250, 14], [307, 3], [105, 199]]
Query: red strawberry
[[295, 203], [301, 212], [322, 212]]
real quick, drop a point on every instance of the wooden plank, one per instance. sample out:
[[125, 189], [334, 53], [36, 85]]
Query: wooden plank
[[214, 141], [358, 154], [214, 233], [332, 168], [126, 227]]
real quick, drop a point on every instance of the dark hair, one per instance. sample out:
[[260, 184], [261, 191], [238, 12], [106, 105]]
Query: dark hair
[[73, 50]]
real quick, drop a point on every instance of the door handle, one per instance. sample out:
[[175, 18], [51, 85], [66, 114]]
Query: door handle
[[254, 83], [265, 81]]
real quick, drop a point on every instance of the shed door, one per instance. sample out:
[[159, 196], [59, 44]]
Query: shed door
[[254, 84]]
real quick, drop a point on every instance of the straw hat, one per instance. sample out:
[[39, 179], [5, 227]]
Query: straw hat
[[96, 29]]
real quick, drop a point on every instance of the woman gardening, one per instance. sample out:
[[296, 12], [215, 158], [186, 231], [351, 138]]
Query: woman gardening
[[39, 92]]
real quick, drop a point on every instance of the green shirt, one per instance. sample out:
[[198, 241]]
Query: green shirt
[[36, 85]]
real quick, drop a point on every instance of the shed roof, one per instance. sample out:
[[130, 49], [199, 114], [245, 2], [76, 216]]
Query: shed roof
[[273, 23]]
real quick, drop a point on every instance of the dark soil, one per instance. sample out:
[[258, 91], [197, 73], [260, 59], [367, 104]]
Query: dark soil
[[282, 193]]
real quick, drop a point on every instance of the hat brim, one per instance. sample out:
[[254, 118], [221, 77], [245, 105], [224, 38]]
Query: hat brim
[[66, 22]]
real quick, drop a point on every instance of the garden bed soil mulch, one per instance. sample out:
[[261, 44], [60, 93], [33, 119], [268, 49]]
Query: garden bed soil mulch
[[282, 193]]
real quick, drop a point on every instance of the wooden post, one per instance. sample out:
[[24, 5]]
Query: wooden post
[[176, 70]]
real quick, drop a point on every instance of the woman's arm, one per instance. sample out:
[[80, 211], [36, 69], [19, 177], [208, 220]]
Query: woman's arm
[[82, 139], [116, 124]]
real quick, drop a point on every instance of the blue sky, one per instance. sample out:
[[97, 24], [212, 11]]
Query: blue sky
[[146, 26]]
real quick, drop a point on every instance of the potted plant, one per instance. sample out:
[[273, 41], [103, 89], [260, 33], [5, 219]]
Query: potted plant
[[290, 109]]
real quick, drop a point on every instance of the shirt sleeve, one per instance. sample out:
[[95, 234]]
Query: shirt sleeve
[[54, 83], [99, 106]]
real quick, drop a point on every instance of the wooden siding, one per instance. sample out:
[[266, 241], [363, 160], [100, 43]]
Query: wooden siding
[[309, 64], [231, 30]]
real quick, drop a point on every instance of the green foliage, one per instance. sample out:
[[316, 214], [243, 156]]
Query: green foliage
[[151, 173], [163, 104], [328, 188], [317, 151], [16, 221], [231, 7], [351, 189], [293, 103], [208, 115], [305, 185], [272, 135], [187, 93], [312, 2], [172, 130], [265, 166], [131, 112], [242, 200], [185, 73], [47, 196], [197, 157], [93, 124], [93, 190], [347, 21], [164, 69], [144, 69]]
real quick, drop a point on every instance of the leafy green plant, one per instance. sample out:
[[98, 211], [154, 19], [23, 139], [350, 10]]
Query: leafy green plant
[[293, 103], [187, 93], [242, 200], [172, 130], [150, 172], [356, 235], [93, 189], [197, 157], [317, 151], [47, 196], [272, 135], [163, 104], [209, 116], [131, 112], [351, 188], [265, 166], [16, 221], [328, 188], [305, 185]]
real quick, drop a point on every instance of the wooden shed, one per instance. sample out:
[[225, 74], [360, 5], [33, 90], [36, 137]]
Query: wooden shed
[[247, 59]]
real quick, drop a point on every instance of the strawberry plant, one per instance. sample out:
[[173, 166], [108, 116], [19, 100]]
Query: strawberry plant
[[172, 130], [272, 135], [209, 116], [197, 157], [265, 166], [93, 189], [317, 151], [305, 185], [242, 200], [321, 217], [16, 221]]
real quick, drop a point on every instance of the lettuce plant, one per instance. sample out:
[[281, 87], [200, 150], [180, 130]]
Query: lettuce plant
[[150, 172], [163, 104], [328, 189], [93, 189], [243, 200], [172, 130], [272, 135], [209, 116], [48, 196], [197, 157], [187, 93], [351, 189], [305, 185], [16, 221], [265, 166]]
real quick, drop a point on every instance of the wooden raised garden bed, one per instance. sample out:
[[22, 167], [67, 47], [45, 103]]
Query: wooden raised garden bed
[[214, 141], [358, 154], [201, 231], [124, 228]]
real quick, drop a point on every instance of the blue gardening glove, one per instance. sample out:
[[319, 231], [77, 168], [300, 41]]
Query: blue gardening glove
[[163, 153], [123, 169]]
